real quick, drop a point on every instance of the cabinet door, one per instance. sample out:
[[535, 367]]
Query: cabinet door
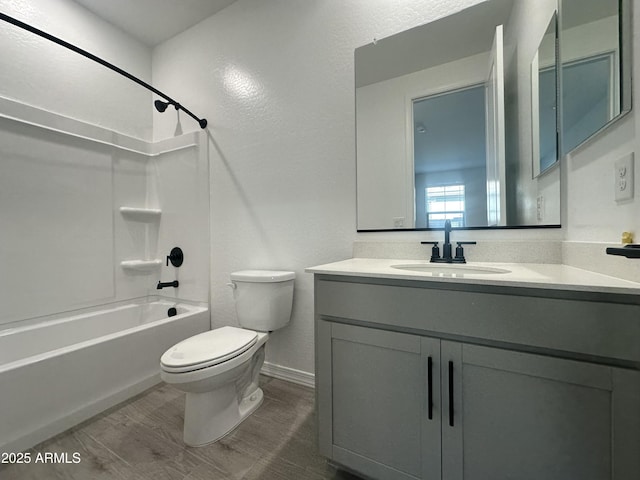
[[375, 414], [523, 416]]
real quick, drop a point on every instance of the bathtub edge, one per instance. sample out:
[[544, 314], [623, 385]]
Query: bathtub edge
[[78, 416]]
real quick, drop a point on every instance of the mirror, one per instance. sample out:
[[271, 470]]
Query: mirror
[[544, 118], [450, 116], [595, 83], [449, 158]]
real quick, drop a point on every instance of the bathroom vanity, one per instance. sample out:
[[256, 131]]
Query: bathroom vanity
[[528, 373]]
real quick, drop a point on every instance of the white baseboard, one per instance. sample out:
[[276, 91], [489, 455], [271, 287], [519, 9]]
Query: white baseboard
[[289, 374]]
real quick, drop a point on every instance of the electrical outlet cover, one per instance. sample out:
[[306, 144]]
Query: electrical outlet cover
[[398, 221], [623, 178]]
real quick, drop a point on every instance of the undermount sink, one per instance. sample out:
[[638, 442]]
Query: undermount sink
[[451, 269]]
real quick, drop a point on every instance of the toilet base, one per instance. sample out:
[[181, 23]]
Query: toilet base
[[250, 404], [209, 416]]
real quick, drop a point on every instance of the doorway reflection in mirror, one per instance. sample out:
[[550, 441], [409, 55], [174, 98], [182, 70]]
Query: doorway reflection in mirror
[[450, 158]]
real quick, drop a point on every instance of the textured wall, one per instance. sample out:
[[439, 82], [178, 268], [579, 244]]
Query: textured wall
[[275, 80], [40, 73], [590, 210]]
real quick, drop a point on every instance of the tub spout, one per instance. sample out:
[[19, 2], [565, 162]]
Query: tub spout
[[162, 285]]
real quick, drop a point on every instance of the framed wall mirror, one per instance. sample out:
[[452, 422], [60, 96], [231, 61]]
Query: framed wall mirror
[[449, 125]]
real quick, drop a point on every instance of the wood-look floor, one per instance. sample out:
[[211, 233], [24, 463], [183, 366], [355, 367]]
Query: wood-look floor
[[142, 439]]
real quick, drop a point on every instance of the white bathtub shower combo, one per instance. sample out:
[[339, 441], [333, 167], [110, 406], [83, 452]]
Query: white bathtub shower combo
[[90, 215], [219, 369], [63, 370]]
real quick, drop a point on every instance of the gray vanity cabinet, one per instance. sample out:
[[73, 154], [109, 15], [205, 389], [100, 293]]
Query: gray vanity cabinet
[[374, 411], [523, 416], [487, 410]]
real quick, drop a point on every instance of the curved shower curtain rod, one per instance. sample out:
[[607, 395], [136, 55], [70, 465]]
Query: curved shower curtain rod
[[160, 105]]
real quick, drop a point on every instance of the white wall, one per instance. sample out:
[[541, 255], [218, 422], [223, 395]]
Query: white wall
[[38, 72], [178, 183], [276, 82], [591, 212], [56, 212]]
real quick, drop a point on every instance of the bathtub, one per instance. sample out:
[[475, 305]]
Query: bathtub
[[61, 371]]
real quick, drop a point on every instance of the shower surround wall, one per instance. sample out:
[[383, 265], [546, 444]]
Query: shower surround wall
[[62, 184], [63, 236], [78, 283]]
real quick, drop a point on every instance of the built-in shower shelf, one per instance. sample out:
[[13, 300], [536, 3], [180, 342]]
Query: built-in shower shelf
[[141, 265], [141, 214]]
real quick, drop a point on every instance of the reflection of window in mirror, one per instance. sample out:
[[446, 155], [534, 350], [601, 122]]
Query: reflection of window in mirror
[[449, 151], [445, 203]]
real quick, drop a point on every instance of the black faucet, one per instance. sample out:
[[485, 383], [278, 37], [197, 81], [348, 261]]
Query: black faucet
[[446, 248], [162, 285]]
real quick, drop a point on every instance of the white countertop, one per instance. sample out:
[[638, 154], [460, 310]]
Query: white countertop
[[531, 275]]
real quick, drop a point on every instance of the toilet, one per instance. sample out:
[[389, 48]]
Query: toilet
[[219, 369]]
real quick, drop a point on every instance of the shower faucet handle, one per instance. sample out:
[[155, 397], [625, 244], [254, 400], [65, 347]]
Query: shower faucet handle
[[176, 257]]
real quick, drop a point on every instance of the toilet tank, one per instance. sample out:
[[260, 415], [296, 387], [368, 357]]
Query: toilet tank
[[263, 298]]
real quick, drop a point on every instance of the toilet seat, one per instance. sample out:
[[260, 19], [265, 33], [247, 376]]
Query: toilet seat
[[208, 349]]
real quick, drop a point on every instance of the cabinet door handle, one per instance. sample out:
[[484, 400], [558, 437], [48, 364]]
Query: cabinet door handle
[[451, 394], [430, 387]]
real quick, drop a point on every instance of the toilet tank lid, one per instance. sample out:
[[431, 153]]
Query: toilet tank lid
[[262, 276]]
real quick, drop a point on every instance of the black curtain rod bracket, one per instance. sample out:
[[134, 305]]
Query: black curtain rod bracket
[[169, 101]]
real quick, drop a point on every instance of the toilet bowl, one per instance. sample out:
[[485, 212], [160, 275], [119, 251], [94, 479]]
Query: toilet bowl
[[219, 369]]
